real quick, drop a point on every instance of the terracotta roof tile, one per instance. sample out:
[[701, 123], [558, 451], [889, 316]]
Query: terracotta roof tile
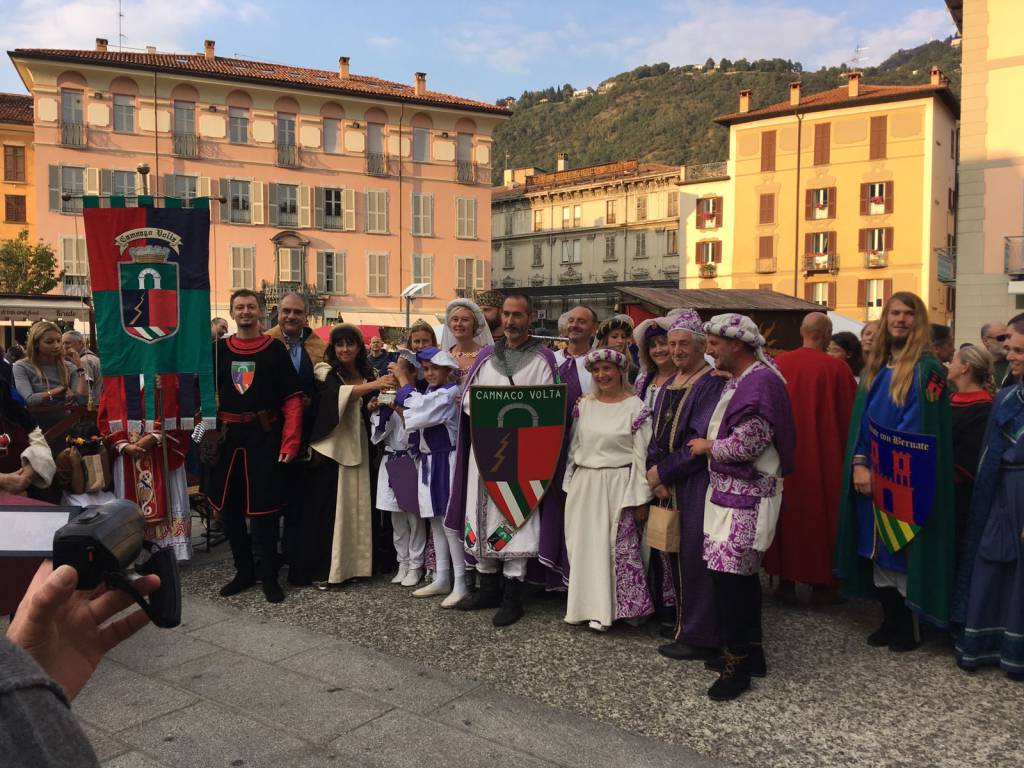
[[590, 174], [223, 68], [840, 97], [15, 108]]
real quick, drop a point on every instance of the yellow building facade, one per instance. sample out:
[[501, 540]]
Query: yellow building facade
[[17, 178], [841, 197], [990, 225]]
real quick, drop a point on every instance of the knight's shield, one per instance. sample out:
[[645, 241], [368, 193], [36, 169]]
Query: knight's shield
[[149, 299], [517, 440], [903, 469], [243, 373]]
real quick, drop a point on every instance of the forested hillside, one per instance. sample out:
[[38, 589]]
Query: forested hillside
[[658, 113]]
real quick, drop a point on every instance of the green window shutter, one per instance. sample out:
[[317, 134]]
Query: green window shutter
[[55, 188]]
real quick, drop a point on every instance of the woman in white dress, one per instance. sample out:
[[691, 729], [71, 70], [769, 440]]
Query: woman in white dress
[[605, 487], [465, 333]]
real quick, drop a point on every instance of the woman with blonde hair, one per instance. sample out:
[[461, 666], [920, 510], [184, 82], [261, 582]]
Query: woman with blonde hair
[[48, 373], [970, 374], [896, 543], [465, 333]]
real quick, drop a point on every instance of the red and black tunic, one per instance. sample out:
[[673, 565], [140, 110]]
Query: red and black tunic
[[255, 375]]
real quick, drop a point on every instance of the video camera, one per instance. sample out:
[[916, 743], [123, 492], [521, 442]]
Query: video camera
[[100, 542]]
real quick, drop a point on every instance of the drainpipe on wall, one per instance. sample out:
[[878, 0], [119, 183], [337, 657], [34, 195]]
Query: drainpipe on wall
[[796, 216], [401, 116]]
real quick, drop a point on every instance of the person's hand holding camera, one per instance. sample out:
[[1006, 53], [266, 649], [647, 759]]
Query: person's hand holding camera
[[63, 629]]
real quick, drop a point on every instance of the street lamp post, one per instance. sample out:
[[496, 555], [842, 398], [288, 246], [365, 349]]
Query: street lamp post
[[409, 294]]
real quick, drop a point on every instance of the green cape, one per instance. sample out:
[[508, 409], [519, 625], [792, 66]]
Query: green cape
[[930, 556]]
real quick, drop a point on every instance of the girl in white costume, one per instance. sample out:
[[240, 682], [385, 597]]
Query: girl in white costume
[[434, 418]]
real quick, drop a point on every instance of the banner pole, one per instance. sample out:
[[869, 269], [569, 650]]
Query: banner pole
[[165, 465]]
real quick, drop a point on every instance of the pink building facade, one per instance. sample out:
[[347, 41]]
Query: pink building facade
[[348, 188]]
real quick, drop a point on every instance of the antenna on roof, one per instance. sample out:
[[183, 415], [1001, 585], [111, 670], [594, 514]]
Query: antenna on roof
[[859, 58], [120, 20]]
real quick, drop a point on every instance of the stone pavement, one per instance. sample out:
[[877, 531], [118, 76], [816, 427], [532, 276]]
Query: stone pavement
[[229, 689]]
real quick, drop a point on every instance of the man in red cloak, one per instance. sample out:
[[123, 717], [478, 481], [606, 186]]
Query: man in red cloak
[[821, 390]]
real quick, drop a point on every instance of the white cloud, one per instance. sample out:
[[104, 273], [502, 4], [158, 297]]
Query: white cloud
[[382, 41], [77, 23], [773, 30], [506, 48]]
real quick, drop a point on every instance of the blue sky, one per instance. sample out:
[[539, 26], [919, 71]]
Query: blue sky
[[487, 51]]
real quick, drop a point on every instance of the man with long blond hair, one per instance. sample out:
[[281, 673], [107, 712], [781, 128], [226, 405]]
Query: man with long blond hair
[[906, 562]]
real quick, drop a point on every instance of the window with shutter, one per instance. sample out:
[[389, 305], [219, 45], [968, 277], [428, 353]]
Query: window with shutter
[[14, 163], [289, 265], [15, 209], [566, 217], [465, 215], [377, 274], [73, 257], [238, 125], [819, 293], [876, 198], [538, 220], [423, 272], [641, 245], [673, 205], [243, 266], [537, 256], [609, 212], [767, 208], [239, 200], [672, 242], [422, 208], [577, 215], [879, 127], [889, 196], [767, 151], [420, 145], [766, 253], [822, 139], [376, 211], [350, 210], [72, 182], [641, 208]]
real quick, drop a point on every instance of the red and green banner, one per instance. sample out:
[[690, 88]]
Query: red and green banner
[[517, 439], [150, 275]]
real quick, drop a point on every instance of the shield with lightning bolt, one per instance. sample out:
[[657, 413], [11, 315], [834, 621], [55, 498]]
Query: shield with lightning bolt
[[149, 294], [517, 439]]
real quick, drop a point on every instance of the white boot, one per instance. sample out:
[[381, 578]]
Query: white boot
[[441, 585], [403, 569], [459, 591], [412, 577]]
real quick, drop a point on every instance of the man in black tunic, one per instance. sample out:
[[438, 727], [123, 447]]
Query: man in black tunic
[[260, 414]]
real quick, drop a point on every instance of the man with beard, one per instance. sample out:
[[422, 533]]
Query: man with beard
[[517, 359], [490, 303], [305, 349], [682, 413], [821, 390], [580, 327], [750, 445], [260, 397], [907, 568]]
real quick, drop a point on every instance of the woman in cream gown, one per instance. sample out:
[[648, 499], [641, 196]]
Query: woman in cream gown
[[605, 487]]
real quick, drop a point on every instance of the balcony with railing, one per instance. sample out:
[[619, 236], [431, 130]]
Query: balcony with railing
[[945, 260], [1013, 252], [875, 259], [75, 285], [709, 271], [820, 262], [287, 218], [288, 155], [334, 222], [705, 171], [465, 172], [71, 202], [72, 134], [766, 266], [185, 144], [376, 164]]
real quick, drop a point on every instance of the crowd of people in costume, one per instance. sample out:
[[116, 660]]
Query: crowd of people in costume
[[693, 462]]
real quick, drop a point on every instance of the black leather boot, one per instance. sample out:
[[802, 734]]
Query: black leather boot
[[511, 609], [685, 652], [242, 581], [734, 679], [487, 595], [891, 601], [905, 637], [757, 664], [268, 575]]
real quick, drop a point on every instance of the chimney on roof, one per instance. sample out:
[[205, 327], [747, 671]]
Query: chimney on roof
[[421, 83], [794, 93], [937, 77], [343, 67], [745, 100], [563, 161], [853, 84], [101, 44], [209, 49]]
